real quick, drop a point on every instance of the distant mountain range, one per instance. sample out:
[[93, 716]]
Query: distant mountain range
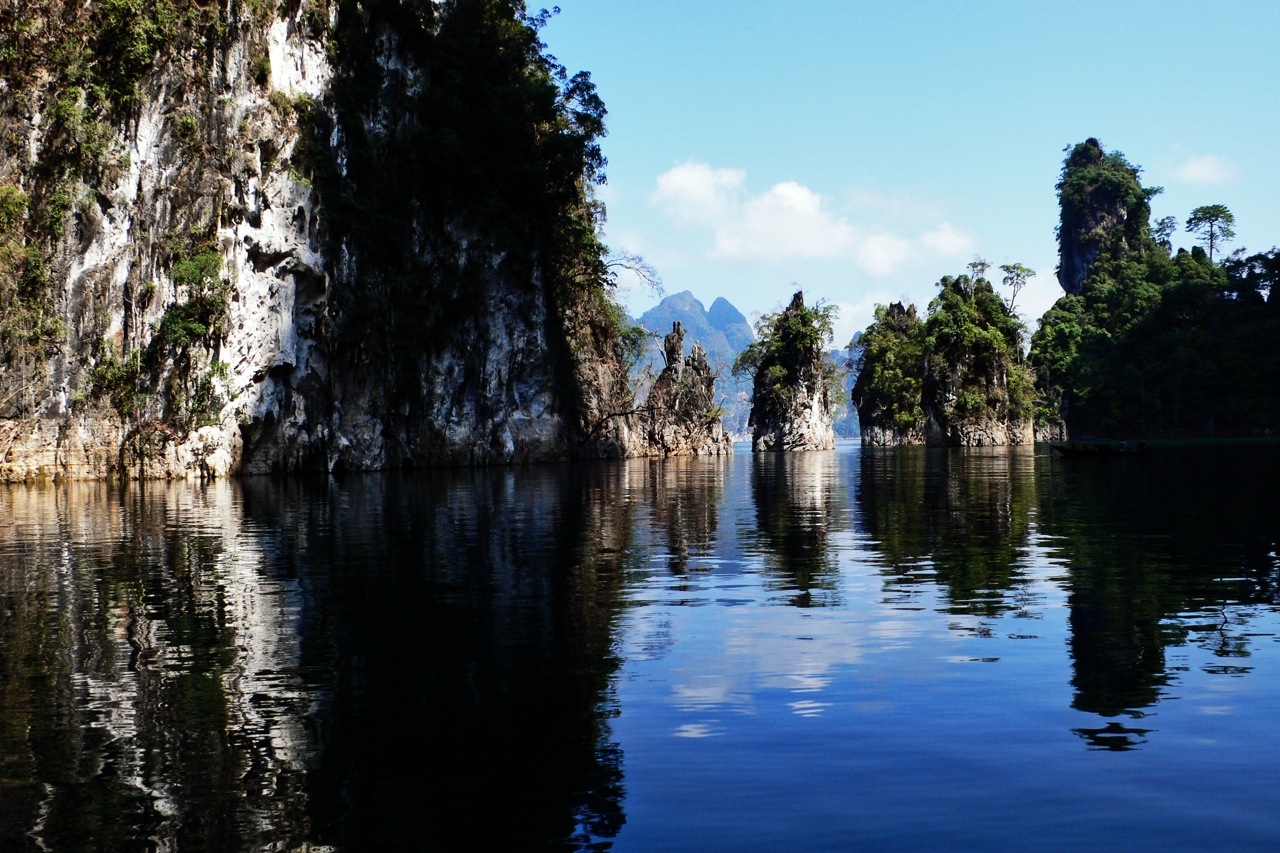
[[723, 332]]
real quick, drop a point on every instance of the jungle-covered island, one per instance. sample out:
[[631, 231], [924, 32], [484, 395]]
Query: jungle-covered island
[[255, 237], [1146, 341]]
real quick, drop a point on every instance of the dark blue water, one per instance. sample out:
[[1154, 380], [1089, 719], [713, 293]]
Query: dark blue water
[[905, 649]]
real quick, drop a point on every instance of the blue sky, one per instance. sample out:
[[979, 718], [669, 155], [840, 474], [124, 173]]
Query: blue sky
[[863, 150]]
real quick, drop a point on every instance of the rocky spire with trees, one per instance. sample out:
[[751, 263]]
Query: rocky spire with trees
[[957, 379], [794, 382], [680, 416]]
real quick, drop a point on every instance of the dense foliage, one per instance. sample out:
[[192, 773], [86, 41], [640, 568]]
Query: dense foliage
[[1157, 341], [494, 143], [456, 163], [789, 353], [964, 363], [890, 366]]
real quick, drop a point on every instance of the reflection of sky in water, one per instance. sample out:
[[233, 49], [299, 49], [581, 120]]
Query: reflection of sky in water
[[912, 679]]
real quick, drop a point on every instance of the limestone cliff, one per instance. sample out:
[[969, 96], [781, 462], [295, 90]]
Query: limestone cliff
[[959, 379], [1104, 211], [680, 416], [791, 392], [247, 237]]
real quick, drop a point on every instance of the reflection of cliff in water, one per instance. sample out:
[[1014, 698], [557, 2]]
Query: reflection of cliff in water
[[383, 664], [149, 687], [1168, 550], [956, 517], [684, 494], [799, 504]]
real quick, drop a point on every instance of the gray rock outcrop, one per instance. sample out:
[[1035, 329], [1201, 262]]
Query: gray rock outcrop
[[680, 416]]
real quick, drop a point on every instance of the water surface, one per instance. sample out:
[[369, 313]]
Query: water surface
[[905, 648]]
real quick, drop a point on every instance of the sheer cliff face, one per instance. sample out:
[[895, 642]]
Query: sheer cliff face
[[257, 237]]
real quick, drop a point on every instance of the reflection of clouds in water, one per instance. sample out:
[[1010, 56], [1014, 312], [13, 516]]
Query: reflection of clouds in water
[[808, 683], [808, 709], [708, 691], [697, 730], [790, 652]]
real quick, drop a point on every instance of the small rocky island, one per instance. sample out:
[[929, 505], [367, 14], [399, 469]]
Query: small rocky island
[[794, 383], [956, 379], [680, 417]]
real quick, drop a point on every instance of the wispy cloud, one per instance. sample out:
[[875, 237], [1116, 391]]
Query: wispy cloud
[[880, 254], [946, 241], [1206, 169]]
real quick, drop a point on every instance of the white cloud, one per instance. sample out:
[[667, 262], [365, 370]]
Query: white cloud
[[787, 221], [946, 241], [879, 254], [1205, 169], [790, 221], [695, 192]]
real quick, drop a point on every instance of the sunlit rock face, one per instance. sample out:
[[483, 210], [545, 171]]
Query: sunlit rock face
[[797, 414], [237, 146], [880, 435], [200, 154], [947, 424], [680, 416]]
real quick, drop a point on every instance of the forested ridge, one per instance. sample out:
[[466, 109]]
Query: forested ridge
[[1148, 340], [1156, 341]]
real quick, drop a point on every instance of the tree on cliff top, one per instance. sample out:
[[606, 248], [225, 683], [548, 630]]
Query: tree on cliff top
[[1212, 223]]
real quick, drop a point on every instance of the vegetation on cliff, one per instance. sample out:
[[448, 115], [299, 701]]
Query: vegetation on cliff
[[1149, 341], [793, 382], [958, 377], [454, 274], [480, 158]]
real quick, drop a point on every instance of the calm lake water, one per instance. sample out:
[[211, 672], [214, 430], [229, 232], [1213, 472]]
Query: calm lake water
[[859, 649]]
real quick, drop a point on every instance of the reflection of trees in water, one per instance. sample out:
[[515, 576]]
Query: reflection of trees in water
[[384, 664], [144, 702], [1165, 550], [684, 494], [468, 620], [957, 517], [799, 504]]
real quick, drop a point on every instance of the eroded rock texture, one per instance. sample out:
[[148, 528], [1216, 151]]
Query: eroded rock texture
[[681, 416], [272, 237]]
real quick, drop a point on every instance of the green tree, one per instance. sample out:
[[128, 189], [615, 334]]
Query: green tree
[[1015, 278], [1212, 224], [1163, 231], [890, 370]]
